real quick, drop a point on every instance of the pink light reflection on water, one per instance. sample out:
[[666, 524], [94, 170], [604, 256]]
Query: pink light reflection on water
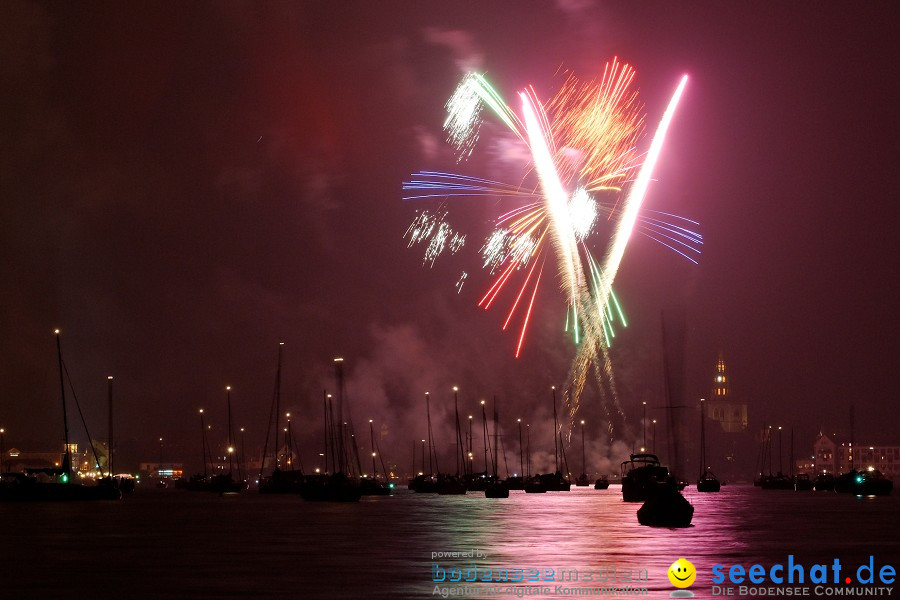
[[191, 545]]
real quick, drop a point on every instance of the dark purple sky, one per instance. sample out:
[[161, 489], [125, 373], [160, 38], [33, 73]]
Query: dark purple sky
[[182, 187]]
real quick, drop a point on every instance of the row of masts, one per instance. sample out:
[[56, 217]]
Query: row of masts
[[341, 452], [464, 450]]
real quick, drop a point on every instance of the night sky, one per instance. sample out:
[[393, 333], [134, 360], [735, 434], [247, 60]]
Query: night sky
[[182, 186]]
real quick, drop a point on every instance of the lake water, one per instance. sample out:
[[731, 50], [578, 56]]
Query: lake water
[[178, 544]]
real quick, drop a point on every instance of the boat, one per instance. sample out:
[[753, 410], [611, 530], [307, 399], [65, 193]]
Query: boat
[[284, 478], [424, 484], [496, 487], [342, 485], [453, 485], [427, 482], [802, 483], [499, 489], [557, 481], [601, 484], [515, 482], [55, 484], [778, 481], [642, 476], [124, 481], [665, 507], [220, 483], [871, 482], [336, 487], [281, 482], [23, 487], [824, 482], [535, 485], [582, 480], [216, 484], [371, 486], [707, 482]]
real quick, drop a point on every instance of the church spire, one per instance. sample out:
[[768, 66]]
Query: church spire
[[720, 381]]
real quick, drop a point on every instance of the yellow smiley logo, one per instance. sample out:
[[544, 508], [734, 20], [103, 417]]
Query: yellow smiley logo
[[682, 573]]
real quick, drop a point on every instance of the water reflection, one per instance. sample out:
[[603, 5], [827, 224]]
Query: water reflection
[[196, 545]]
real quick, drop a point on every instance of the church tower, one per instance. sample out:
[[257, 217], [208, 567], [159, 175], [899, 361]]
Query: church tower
[[723, 407]]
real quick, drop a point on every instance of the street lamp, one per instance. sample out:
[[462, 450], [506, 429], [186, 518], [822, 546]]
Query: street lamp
[[2, 451]]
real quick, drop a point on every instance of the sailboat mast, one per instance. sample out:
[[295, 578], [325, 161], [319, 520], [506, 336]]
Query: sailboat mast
[[485, 435], [67, 460], [339, 375], [372, 444], [459, 445], [555, 431], [583, 465], [521, 454], [278, 405], [792, 452], [495, 456], [203, 441], [528, 446], [428, 419], [852, 415], [109, 447], [702, 438], [331, 432], [431, 451], [229, 448], [325, 430]]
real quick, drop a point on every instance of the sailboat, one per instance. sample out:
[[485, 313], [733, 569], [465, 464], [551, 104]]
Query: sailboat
[[707, 482], [426, 481], [869, 482], [454, 485], [556, 481], [279, 481], [496, 488], [124, 481], [30, 488], [220, 483], [648, 480], [582, 480], [370, 485], [342, 485]]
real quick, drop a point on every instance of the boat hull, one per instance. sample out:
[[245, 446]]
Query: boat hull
[[34, 491], [666, 508]]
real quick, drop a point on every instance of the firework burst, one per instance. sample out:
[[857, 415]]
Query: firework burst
[[583, 147]]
